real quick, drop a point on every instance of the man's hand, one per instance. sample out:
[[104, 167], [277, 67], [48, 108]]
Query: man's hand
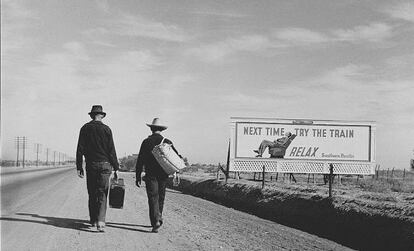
[[116, 175], [138, 182], [81, 173]]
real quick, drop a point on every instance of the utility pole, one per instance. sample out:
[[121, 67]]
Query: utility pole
[[20, 142], [59, 158], [17, 144], [54, 158], [24, 148], [38, 149], [47, 156]]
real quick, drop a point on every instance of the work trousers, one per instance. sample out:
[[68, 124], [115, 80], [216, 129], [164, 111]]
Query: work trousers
[[97, 180], [265, 144], [156, 194]]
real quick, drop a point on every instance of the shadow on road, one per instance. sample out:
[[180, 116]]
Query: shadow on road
[[76, 224], [123, 226], [173, 191]]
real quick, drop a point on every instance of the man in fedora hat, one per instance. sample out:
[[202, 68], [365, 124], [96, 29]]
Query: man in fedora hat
[[155, 177], [97, 145]]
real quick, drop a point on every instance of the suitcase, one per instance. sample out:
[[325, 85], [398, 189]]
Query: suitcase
[[117, 193]]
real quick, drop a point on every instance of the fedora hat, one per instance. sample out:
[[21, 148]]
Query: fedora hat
[[97, 109], [157, 124]]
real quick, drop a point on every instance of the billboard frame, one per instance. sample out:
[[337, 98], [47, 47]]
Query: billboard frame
[[251, 164]]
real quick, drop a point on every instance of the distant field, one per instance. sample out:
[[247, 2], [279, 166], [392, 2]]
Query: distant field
[[384, 181]]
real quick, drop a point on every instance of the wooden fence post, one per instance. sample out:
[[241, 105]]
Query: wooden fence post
[[263, 176], [378, 171], [227, 172], [330, 179], [388, 170]]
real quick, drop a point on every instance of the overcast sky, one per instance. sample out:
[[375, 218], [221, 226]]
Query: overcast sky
[[195, 64]]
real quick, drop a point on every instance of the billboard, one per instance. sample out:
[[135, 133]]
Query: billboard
[[259, 139]]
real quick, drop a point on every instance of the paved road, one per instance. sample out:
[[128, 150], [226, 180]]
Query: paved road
[[47, 210]]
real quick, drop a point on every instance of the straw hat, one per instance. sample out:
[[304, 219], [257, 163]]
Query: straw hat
[[157, 124]]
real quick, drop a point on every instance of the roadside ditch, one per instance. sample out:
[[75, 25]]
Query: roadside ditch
[[353, 222]]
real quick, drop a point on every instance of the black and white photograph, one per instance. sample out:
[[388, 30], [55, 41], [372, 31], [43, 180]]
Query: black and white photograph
[[207, 125]]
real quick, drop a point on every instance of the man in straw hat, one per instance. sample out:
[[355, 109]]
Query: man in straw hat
[[155, 177], [97, 145]]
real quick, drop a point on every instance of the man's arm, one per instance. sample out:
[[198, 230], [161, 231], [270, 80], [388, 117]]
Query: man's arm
[[140, 162], [112, 153], [80, 151], [282, 141]]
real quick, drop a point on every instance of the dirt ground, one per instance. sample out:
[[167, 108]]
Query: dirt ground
[[50, 213], [353, 217]]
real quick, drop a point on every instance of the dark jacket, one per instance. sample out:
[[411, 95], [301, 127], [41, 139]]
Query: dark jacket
[[279, 149], [96, 144], [145, 157]]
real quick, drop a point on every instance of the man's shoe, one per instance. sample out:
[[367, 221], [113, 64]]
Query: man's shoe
[[101, 226], [161, 221], [258, 156], [101, 229], [93, 223], [156, 227]]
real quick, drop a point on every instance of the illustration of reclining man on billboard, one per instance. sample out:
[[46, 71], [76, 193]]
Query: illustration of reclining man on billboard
[[276, 148], [320, 140]]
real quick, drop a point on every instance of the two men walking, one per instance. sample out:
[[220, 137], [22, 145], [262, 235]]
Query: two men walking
[[97, 145]]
